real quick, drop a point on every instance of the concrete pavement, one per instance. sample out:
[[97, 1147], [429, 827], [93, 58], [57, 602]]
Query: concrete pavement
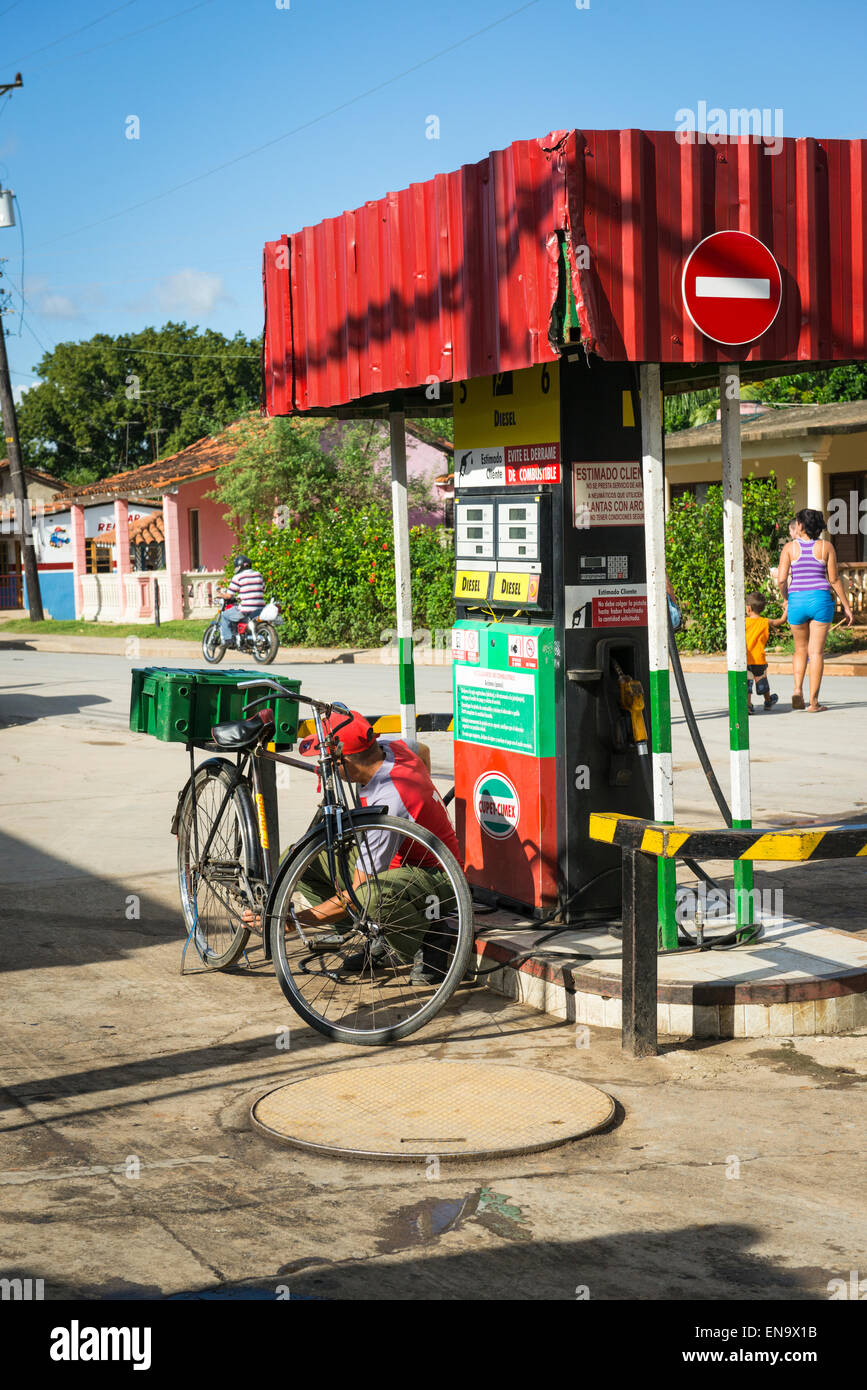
[[127, 1162]]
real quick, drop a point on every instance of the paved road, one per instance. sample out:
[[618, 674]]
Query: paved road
[[108, 1055]]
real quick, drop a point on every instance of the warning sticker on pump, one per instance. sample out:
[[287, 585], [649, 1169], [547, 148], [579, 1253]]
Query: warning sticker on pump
[[607, 494], [524, 652], [606, 605], [465, 645]]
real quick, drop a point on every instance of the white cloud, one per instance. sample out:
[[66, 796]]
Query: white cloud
[[52, 304], [192, 292], [58, 306]]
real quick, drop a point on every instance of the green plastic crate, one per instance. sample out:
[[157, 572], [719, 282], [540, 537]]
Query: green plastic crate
[[182, 705]]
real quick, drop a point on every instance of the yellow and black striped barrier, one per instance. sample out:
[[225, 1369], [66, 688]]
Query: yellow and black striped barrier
[[780, 844], [390, 724], [644, 841]]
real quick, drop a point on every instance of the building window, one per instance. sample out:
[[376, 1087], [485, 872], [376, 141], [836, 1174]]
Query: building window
[[195, 557], [848, 491], [97, 557], [149, 555], [695, 490]]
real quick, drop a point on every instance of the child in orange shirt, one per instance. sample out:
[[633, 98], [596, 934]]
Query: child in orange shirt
[[758, 629]]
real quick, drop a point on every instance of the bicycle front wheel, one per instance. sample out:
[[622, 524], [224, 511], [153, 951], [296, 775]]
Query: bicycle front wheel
[[400, 945], [218, 862]]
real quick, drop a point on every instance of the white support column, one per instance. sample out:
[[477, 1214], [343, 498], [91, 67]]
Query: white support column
[[402, 576], [736, 635], [815, 461], [657, 634]]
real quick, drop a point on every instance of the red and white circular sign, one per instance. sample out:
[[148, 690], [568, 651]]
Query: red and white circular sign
[[732, 287]]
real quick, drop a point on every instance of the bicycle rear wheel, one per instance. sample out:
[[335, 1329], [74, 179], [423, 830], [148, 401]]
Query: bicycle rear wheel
[[401, 946], [213, 646], [214, 884]]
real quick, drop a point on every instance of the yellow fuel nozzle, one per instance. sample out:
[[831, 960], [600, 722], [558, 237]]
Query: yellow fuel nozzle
[[632, 700]]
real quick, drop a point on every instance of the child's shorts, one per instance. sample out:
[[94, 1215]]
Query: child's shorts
[[810, 605]]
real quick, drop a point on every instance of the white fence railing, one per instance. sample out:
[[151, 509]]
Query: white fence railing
[[100, 598], [854, 577], [199, 589], [101, 595]]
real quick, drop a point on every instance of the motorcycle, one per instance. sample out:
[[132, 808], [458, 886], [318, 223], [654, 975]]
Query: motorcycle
[[257, 636]]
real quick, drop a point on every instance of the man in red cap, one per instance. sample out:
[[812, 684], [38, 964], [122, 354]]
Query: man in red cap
[[393, 773]]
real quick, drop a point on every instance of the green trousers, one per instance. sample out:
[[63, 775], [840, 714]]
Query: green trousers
[[406, 902]]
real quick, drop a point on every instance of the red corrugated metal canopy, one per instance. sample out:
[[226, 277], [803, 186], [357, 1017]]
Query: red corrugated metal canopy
[[477, 271]]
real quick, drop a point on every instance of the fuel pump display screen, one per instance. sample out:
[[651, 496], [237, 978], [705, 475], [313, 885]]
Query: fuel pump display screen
[[474, 531], [518, 542]]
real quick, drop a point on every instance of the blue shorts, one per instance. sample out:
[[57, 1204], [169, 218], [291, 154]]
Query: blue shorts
[[810, 605]]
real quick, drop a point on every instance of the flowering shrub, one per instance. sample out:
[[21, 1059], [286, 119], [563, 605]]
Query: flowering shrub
[[333, 577]]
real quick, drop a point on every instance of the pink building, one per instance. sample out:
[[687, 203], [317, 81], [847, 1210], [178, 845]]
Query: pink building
[[177, 550]]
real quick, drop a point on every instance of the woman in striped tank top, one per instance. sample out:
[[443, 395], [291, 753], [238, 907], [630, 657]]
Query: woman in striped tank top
[[808, 579]]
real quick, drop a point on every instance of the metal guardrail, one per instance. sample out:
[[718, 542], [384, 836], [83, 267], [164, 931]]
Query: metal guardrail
[[644, 841]]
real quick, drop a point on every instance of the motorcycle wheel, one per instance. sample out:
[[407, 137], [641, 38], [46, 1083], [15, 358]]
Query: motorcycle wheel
[[213, 648], [266, 644]]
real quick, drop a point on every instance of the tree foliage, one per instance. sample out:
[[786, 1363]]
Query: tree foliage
[[113, 403], [304, 465], [844, 383], [695, 561], [333, 576]]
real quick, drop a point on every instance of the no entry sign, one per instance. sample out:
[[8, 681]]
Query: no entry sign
[[732, 287]]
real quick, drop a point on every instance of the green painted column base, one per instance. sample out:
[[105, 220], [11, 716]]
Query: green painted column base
[[406, 671], [666, 882]]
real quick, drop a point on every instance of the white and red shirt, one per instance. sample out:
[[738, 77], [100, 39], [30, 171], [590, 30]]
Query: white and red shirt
[[250, 588], [402, 784]]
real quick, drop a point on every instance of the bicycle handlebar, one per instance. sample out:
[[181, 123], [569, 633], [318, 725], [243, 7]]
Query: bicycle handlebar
[[292, 695]]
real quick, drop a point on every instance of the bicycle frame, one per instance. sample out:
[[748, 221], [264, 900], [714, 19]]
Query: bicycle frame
[[337, 815]]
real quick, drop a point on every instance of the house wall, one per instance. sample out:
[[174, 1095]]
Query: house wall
[[216, 538], [782, 465], [57, 588]]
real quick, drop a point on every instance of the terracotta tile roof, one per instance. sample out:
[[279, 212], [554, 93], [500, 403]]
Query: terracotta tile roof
[[144, 530], [783, 422], [197, 460], [36, 473]]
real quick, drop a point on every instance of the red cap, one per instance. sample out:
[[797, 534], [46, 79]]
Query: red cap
[[355, 736]]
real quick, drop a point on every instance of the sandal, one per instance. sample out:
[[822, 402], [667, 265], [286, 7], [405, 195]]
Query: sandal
[[816, 709], [798, 702]]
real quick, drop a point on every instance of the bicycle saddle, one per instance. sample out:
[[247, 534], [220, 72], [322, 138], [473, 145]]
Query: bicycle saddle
[[236, 734]]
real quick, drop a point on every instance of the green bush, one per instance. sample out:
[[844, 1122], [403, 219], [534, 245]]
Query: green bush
[[334, 577], [695, 560]]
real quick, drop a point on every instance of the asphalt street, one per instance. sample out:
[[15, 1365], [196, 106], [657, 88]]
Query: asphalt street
[[128, 1166]]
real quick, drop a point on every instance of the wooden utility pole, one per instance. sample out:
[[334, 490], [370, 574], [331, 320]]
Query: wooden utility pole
[[13, 452], [19, 484]]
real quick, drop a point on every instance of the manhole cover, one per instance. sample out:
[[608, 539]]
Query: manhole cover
[[408, 1109]]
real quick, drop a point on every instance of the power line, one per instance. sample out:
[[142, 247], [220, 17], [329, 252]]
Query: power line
[[80, 29], [306, 125], [178, 14]]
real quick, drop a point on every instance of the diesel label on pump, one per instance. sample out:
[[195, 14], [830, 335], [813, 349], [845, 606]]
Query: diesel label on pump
[[607, 494], [606, 605]]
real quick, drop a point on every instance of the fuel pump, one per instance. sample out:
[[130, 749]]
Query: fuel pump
[[550, 643]]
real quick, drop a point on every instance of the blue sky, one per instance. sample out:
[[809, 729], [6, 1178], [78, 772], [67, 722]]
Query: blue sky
[[212, 81]]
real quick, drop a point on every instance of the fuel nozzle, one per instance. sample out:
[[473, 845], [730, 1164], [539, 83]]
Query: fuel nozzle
[[632, 700]]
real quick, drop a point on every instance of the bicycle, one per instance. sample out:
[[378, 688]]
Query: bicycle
[[405, 933], [257, 636]]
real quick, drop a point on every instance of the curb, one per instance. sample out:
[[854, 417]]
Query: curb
[[189, 652], [855, 665]]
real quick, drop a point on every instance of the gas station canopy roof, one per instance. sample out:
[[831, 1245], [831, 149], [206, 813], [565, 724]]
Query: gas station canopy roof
[[581, 238]]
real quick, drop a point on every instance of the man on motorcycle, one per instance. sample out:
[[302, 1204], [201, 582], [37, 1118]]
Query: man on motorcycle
[[248, 587]]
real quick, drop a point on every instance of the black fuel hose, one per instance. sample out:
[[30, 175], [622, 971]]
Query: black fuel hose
[[692, 724]]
